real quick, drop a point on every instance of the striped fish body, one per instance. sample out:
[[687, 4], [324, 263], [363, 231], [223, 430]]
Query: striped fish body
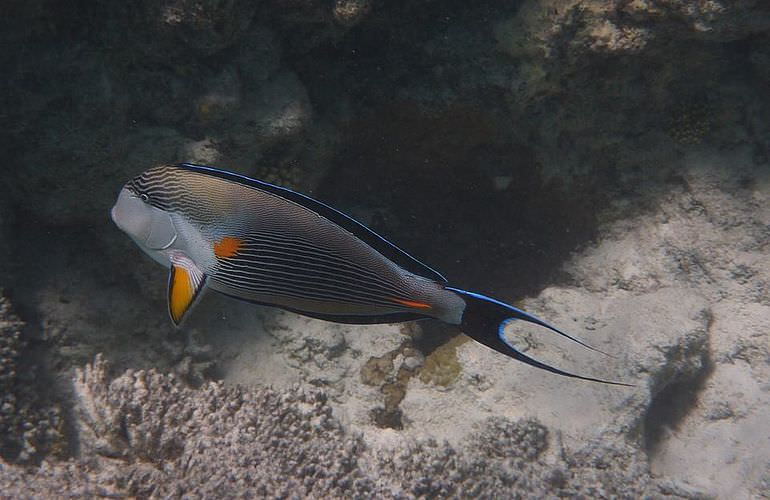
[[265, 244]]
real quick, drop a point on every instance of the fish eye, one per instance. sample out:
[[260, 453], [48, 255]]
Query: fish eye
[[144, 197]]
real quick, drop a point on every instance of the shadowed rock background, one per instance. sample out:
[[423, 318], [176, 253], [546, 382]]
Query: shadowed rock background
[[604, 163]]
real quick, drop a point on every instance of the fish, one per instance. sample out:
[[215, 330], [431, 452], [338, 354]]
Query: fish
[[270, 245]]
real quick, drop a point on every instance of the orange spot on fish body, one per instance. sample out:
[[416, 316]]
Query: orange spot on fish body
[[412, 303], [227, 247]]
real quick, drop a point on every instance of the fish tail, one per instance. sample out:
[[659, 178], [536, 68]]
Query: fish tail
[[484, 320]]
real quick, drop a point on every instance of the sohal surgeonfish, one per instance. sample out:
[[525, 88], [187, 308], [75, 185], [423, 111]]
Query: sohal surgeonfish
[[273, 246]]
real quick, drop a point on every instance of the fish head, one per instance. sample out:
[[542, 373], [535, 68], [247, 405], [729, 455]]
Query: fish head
[[151, 227]]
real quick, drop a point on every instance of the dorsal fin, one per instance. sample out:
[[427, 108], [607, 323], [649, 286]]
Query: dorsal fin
[[346, 222]]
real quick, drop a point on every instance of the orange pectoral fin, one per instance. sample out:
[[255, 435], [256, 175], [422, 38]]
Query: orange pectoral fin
[[185, 282], [227, 247], [412, 303]]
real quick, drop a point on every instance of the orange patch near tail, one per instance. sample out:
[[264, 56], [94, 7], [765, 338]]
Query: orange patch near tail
[[227, 247], [412, 303]]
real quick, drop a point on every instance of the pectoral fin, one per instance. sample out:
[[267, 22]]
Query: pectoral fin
[[185, 283]]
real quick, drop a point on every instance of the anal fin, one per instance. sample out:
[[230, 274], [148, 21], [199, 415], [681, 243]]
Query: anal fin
[[185, 283]]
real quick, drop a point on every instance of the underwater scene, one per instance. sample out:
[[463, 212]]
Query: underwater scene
[[385, 249]]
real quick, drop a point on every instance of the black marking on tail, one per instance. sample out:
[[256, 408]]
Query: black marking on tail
[[485, 318]]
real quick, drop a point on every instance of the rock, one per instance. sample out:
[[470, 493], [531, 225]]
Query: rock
[[282, 108], [716, 20], [220, 99], [350, 12], [259, 56], [204, 152]]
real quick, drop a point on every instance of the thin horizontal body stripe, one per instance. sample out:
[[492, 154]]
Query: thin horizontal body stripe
[[258, 266], [265, 233], [288, 297], [319, 290], [316, 263], [303, 294], [269, 269], [259, 239], [304, 249], [292, 280], [257, 236], [356, 318], [254, 250]]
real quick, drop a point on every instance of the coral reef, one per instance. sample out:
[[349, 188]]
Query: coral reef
[[350, 12], [10, 350], [216, 440], [29, 429], [144, 434], [289, 176]]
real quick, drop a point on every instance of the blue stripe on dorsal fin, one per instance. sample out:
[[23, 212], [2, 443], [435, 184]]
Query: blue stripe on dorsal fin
[[346, 222]]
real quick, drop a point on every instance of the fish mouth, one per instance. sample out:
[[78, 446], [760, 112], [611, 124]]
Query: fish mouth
[[127, 213], [116, 213], [113, 215]]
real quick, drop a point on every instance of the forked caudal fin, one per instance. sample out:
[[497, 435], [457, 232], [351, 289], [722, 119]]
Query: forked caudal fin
[[485, 318]]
